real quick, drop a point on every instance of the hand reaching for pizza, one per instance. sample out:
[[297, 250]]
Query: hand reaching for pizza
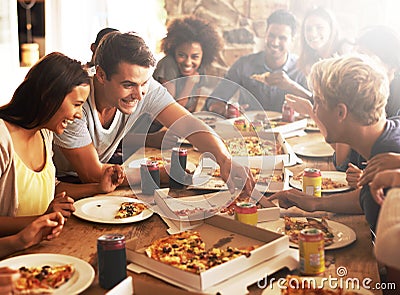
[[294, 197], [236, 175]]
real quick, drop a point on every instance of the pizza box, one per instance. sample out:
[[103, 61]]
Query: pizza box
[[203, 178], [274, 124], [220, 232], [288, 157], [188, 212]]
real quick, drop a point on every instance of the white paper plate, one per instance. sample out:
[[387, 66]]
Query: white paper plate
[[338, 176], [103, 209], [80, 280], [275, 289], [343, 235], [313, 149]]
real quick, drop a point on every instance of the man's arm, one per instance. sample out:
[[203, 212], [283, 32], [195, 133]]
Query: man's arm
[[181, 122], [85, 162]]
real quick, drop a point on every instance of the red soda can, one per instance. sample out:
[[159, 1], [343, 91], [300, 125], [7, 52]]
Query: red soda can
[[150, 177], [233, 110], [287, 113], [311, 251], [111, 256], [178, 168]]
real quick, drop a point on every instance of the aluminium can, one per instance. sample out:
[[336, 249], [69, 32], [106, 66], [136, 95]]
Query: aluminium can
[[150, 177], [246, 212], [311, 251], [111, 258], [178, 168], [312, 182]]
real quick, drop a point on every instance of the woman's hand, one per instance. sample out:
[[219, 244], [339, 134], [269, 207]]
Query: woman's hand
[[45, 227], [353, 175], [63, 204], [379, 163]]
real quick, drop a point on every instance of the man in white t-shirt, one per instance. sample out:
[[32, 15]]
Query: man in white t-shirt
[[122, 91]]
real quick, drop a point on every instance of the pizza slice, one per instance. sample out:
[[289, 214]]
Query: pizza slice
[[187, 251], [293, 227], [43, 280], [129, 209], [261, 77]]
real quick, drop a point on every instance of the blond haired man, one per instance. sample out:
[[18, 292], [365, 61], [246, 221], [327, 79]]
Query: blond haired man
[[350, 95]]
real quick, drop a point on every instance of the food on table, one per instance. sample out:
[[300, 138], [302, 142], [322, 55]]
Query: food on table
[[295, 285], [242, 197], [261, 77], [327, 182], [293, 227], [42, 280], [256, 172], [129, 209], [253, 146], [187, 251]]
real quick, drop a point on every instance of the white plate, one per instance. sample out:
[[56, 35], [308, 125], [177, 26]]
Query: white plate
[[136, 164], [275, 290], [80, 280], [313, 149], [103, 209], [338, 176], [311, 125], [343, 235]]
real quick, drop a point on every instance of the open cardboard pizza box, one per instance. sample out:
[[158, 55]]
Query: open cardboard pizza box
[[270, 123], [270, 180], [219, 232], [287, 155], [188, 212]]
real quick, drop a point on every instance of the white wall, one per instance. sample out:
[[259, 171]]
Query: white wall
[[72, 25]]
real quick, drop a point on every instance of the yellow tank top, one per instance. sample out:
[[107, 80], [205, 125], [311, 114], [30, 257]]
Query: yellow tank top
[[35, 189]]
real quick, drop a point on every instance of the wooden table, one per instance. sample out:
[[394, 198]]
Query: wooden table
[[79, 238]]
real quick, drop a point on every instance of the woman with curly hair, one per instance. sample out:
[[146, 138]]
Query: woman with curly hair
[[191, 45]]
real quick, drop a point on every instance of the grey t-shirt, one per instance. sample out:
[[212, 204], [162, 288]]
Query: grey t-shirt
[[89, 129]]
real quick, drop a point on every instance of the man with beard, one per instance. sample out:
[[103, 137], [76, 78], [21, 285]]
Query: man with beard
[[122, 94], [267, 75]]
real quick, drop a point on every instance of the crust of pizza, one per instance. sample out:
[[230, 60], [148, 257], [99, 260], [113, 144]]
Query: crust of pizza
[[43, 280], [129, 209]]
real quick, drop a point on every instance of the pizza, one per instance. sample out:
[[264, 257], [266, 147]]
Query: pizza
[[42, 280], [129, 209], [296, 285], [253, 146], [187, 251], [293, 227], [327, 183], [261, 77]]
